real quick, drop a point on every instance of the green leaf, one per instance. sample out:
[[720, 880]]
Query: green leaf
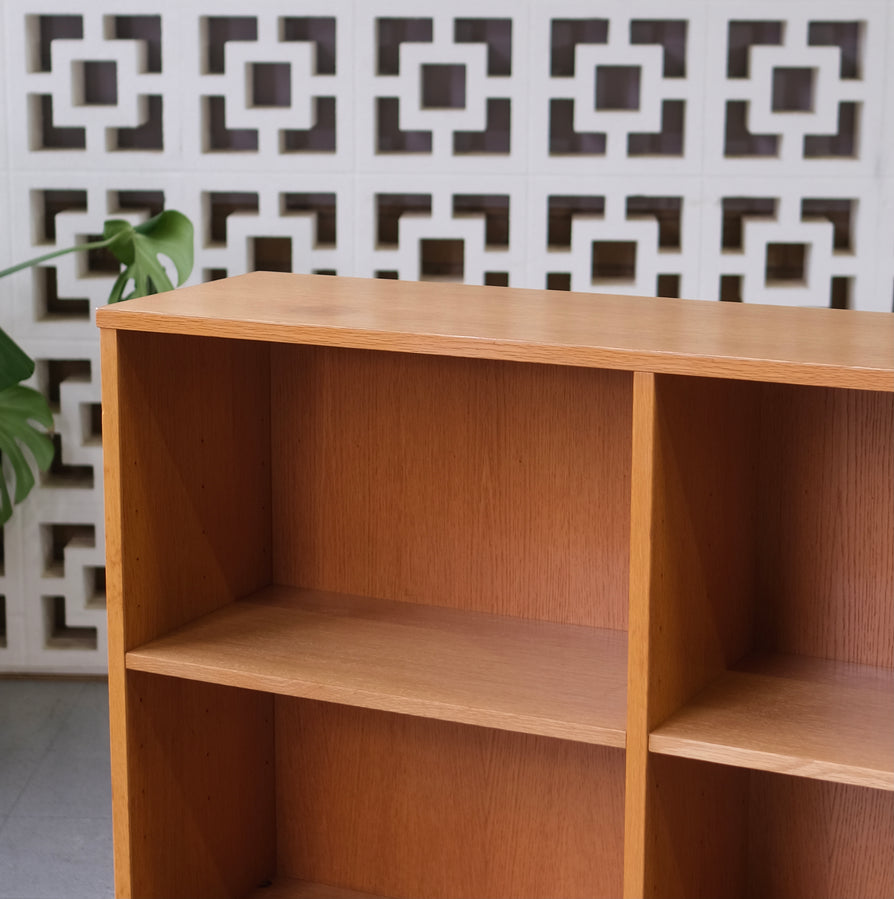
[[15, 364], [20, 407], [170, 233]]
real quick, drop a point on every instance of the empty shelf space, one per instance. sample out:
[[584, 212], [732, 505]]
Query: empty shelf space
[[792, 715], [288, 888], [474, 668]]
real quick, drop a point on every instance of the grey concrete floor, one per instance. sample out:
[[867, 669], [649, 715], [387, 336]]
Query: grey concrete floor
[[55, 796]]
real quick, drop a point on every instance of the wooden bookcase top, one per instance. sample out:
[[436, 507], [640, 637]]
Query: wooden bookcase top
[[825, 347]]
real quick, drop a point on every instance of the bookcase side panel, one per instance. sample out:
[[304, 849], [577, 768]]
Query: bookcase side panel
[[827, 534], [109, 342], [195, 477], [202, 795], [482, 485], [402, 806]]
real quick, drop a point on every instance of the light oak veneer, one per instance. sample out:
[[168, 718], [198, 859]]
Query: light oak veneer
[[524, 676], [817, 346], [423, 590]]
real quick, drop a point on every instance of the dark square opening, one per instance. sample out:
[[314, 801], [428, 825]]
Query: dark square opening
[[792, 89], [101, 83], [271, 84], [785, 261], [614, 260], [617, 87], [731, 288], [58, 634], [443, 86], [668, 286], [272, 254], [558, 281], [441, 259]]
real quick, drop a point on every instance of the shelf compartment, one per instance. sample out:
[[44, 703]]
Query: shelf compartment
[[763, 834], [813, 718], [534, 677]]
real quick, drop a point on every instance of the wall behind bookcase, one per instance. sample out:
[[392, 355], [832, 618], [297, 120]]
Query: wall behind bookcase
[[716, 150]]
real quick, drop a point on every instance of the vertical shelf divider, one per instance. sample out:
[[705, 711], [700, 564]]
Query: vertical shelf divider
[[638, 637]]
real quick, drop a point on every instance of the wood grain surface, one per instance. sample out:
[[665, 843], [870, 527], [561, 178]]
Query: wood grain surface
[[119, 762], [406, 807], [697, 840], [202, 794], [691, 599], [639, 634], [826, 540], [702, 536], [809, 717], [194, 449], [462, 536], [525, 676], [483, 485], [290, 888], [732, 832], [730, 340], [814, 838]]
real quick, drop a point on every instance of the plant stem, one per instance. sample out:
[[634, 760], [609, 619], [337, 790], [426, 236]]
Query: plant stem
[[95, 245]]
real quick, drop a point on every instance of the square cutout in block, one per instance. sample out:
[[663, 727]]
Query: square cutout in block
[[785, 262], [100, 83], [617, 87], [441, 259], [271, 84], [614, 260], [272, 254], [443, 86], [793, 89]]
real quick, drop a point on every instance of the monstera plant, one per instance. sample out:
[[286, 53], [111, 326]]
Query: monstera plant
[[25, 417]]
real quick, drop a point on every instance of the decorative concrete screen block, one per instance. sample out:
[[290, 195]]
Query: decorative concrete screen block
[[89, 85], [622, 89], [736, 151], [615, 241], [796, 87], [467, 229], [444, 91]]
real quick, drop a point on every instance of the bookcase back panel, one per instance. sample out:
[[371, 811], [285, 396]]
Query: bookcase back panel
[[408, 807], [826, 583], [815, 838], [195, 496], [696, 839], [719, 831], [475, 484]]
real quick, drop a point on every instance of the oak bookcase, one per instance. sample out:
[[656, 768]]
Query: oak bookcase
[[423, 590]]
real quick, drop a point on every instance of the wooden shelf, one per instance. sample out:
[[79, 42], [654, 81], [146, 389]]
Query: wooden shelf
[[792, 715], [289, 888], [474, 668], [804, 346]]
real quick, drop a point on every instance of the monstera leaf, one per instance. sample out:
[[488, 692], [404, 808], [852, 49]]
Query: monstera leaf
[[20, 408], [169, 233]]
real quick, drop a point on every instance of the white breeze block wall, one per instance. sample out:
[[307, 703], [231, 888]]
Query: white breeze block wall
[[719, 149]]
